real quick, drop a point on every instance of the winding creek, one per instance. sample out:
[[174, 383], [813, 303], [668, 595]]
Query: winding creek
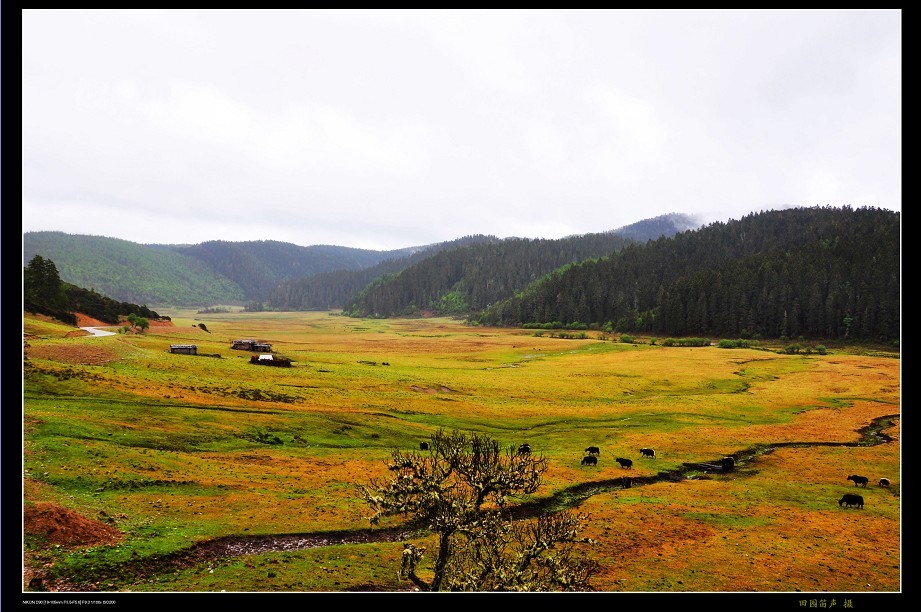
[[224, 548]]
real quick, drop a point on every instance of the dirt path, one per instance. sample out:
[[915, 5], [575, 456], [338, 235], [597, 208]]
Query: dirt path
[[228, 547], [98, 332]]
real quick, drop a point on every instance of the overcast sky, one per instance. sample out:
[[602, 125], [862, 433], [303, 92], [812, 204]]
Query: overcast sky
[[388, 129]]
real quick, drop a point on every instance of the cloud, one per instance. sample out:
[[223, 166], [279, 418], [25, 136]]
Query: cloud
[[394, 128]]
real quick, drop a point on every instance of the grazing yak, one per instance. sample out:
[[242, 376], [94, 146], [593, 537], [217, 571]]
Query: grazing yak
[[524, 449], [423, 446], [884, 482], [624, 463], [648, 452], [593, 450], [589, 460], [859, 481], [625, 482], [849, 499]]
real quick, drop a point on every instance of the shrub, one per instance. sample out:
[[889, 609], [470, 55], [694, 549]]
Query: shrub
[[686, 342]]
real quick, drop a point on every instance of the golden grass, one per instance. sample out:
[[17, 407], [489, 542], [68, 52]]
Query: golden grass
[[120, 424]]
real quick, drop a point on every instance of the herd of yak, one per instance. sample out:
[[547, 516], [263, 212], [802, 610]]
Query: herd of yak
[[593, 452], [850, 499]]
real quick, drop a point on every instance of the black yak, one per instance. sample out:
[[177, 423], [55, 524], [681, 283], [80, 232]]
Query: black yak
[[859, 481], [849, 499]]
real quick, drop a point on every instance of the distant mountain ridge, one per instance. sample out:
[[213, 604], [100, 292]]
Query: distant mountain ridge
[[465, 280], [281, 275], [257, 267], [461, 281], [328, 290], [214, 272], [656, 227]]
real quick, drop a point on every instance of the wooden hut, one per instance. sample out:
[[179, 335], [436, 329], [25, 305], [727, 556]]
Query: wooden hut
[[184, 349]]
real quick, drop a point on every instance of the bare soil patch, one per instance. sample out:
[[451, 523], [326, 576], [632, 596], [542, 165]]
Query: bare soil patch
[[86, 355], [61, 527], [84, 320], [66, 527]]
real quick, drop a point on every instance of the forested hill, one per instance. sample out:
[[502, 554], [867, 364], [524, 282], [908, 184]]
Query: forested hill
[[818, 272], [131, 272], [45, 293], [183, 275], [469, 279], [329, 290], [256, 267]]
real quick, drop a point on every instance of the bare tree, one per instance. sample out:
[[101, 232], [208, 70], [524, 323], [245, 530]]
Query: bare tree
[[460, 489]]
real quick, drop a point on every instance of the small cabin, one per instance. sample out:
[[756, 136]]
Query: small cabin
[[184, 349], [251, 345], [271, 360]]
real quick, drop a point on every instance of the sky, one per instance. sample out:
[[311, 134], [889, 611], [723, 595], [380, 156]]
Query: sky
[[384, 129]]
